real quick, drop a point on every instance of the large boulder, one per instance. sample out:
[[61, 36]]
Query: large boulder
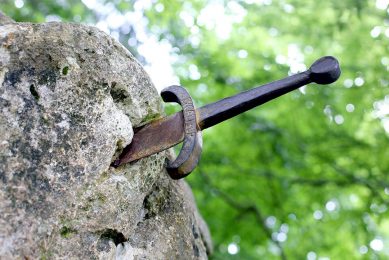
[[70, 96]]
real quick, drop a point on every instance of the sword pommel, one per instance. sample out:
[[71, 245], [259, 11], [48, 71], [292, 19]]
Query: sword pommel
[[325, 70]]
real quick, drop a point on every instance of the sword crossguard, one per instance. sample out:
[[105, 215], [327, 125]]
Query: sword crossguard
[[189, 155]]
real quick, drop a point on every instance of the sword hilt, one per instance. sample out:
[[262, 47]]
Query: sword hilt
[[325, 70]]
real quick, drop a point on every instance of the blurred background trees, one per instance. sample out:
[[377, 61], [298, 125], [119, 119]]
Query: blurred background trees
[[302, 177]]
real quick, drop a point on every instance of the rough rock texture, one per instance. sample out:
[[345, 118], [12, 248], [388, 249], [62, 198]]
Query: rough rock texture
[[69, 98]]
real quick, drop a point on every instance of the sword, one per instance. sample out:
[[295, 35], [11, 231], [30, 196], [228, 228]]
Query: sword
[[187, 124]]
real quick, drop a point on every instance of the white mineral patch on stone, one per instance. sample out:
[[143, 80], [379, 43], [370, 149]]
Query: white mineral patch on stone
[[2, 74], [64, 124], [4, 57], [72, 62]]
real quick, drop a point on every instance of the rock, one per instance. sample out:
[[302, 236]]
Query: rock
[[69, 98], [5, 19]]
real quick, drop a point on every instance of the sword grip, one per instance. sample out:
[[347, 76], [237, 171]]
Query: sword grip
[[323, 71]]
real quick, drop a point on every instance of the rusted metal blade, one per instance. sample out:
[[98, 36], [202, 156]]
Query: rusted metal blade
[[154, 137], [169, 131]]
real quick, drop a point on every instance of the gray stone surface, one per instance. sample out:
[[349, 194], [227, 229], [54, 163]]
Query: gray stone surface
[[5, 19], [69, 98]]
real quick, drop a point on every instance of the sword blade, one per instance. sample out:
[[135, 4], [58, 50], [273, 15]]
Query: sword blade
[[154, 137], [166, 132]]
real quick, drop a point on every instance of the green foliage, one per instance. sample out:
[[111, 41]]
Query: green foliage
[[303, 175], [41, 10]]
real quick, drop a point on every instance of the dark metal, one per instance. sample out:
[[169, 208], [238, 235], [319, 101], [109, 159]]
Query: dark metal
[[152, 138], [169, 131], [324, 71], [189, 155]]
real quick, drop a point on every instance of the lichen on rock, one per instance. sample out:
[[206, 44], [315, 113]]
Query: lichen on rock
[[70, 96]]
